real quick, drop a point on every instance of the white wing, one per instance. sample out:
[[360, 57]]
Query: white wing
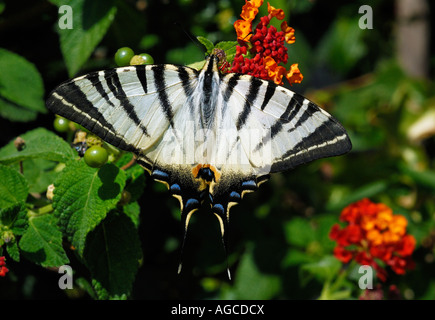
[[201, 133], [130, 107]]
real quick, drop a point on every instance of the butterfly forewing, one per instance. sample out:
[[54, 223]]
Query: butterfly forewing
[[294, 129]]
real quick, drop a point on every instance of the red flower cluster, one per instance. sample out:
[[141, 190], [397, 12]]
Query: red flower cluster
[[3, 269], [373, 233], [260, 54]]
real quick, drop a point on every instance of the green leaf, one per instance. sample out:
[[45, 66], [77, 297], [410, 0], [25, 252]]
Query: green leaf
[[323, 270], [132, 210], [342, 46], [13, 187], [15, 218], [207, 43], [83, 196], [39, 143], [13, 250], [299, 232], [197, 65], [21, 88], [39, 173], [424, 178], [185, 56], [366, 191], [42, 242], [250, 283], [136, 179], [91, 20], [112, 254]]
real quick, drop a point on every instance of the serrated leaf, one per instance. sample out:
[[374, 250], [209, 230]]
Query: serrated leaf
[[15, 218], [91, 20], [112, 254], [13, 187], [83, 196], [39, 143], [13, 251], [42, 242], [21, 88]]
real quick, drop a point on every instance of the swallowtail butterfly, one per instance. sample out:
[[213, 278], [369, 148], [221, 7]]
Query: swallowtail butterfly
[[206, 135]]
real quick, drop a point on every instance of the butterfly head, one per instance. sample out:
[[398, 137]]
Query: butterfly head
[[220, 57]]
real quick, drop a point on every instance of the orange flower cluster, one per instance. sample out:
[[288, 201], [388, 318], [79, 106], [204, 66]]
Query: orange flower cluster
[[260, 54], [373, 233]]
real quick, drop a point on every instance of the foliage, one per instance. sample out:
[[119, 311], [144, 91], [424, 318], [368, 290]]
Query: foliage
[[120, 231]]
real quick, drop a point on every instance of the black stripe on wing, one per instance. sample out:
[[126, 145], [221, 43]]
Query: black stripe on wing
[[185, 76], [160, 83], [115, 86], [329, 139], [270, 91], [289, 113], [68, 100], [142, 76], [232, 82], [251, 96]]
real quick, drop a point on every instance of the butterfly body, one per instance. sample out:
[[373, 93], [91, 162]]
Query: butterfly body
[[204, 134]]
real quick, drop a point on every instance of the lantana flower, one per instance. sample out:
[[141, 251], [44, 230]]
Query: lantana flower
[[3, 269], [373, 234], [260, 53]]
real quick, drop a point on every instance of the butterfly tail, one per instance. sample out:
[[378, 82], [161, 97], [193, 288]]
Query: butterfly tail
[[186, 213], [223, 200], [222, 213]]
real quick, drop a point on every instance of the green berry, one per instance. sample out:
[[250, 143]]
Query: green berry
[[61, 124], [123, 56], [147, 58], [96, 156]]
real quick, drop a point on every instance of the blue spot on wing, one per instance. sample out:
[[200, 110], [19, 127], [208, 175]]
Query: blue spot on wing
[[175, 188], [219, 209], [192, 204], [160, 175], [249, 185], [234, 196]]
